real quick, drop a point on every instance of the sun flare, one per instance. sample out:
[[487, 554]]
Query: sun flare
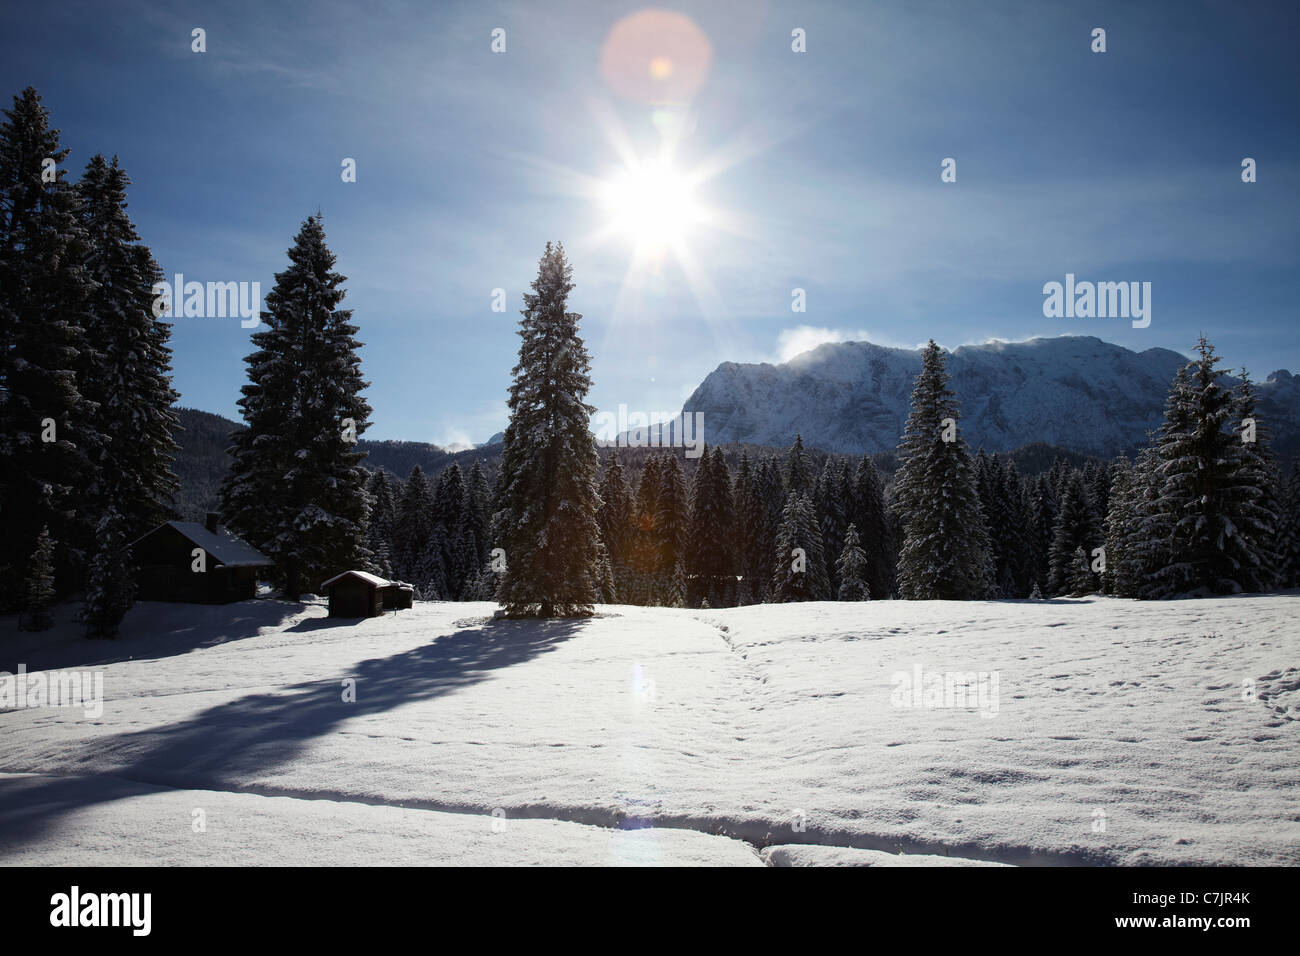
[[652, 204]]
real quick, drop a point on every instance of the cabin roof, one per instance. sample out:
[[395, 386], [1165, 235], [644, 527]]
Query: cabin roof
[[366, 576], [221, 544]]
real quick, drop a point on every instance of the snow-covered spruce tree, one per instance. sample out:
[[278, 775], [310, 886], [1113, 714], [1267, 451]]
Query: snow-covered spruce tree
[[380, 523], [296, 488], [130, 382], [872, 520], [111, 588], [1206, 490], [1258, 509], [749, 513], [945, 553], [671, 524], [1011, 526], [1076, 528], [38, 590], [831, 509], [852, 568], [614, 516], [1044, 507], [451, 532], [1117, 529], [798, 469], [709, 548], [1288, 540], [413, 530], [642, 554], [549, 529], [1079, 574], [477, 510], [800, 570], [48, 427], [771, 498]]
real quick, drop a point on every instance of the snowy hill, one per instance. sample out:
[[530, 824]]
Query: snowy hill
[[1116, 733], [1073, 391]]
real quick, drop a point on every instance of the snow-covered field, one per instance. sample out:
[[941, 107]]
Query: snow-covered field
[[1120, 733]]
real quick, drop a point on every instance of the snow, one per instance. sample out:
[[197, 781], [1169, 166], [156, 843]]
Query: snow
[[1121, 735]]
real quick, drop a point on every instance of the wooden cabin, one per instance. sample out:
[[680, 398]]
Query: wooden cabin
[[396, 595], [166, 564], [356, 594]]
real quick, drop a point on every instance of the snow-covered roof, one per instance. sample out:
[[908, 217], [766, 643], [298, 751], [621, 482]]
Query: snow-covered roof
[[221, 545], [366, 576]]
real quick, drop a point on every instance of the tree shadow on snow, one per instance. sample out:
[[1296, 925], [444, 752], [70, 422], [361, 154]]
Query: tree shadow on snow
[[252, 735]]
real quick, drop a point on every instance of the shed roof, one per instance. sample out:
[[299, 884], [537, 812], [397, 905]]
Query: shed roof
[[221, 544], [366, 576]]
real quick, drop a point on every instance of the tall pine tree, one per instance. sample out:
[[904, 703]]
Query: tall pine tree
[[296, 488], [549, 528]]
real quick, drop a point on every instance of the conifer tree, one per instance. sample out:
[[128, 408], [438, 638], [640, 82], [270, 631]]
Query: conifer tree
[[477, 510], [709, 553], [1288, 539], [614, 516], [800, 570], [451, 533], [380, 524], [945, 554], [871, 517], [48, 427], [852, 568], [1257, 509], [38, 592], [831, 509], [798, 469], [1044, 507], [1206, 490], [750, 562], [296, 488], [671, 523], [111, 589], [771, 498], [413, 530], [643, 541], [1118, 579], [549, 528], [129, 381], [1076, 529]]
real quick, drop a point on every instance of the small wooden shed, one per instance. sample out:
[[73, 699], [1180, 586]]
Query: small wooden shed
[[397, 594], [356, 594]]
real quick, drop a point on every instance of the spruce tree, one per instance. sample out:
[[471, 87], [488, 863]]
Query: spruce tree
[[709, 552], [453, 538], [800, 570], [945, 554], [48, 427], [1257, 506], [296, 488], [614, 516], [771, 504], [413, 538], [798, 469], [549, 528], [750, 562], [671, 524], [852, 568], [477, 514], [129, 382], [381, 523], [1206, 490], [832, 515], [111, 589], [1076, 529], [1118, 579], [871, 517], [1288, 538], [38, 590]]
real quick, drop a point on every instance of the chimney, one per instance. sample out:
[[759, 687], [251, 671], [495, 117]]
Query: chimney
[[211, 521]]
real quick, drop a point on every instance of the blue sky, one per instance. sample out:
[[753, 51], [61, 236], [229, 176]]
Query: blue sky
[[824, 175]]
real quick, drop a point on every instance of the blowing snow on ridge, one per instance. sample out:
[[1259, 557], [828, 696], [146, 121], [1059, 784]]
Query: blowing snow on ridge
[[1074, 391]]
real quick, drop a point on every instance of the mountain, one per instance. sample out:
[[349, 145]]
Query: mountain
[[1077, 392]]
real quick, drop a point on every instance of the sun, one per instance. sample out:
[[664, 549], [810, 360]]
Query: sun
[[652, 204]]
